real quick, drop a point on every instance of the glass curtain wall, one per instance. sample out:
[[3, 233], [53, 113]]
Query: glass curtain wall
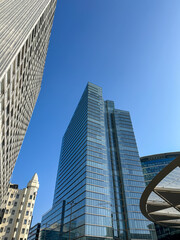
[[99, 179], [81, 206], [127, 180]]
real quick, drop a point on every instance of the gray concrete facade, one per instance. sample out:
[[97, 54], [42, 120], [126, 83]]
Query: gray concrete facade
[[25, 28]]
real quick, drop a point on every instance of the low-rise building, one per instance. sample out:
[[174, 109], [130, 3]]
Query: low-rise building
[[17, 209], [152, 165], [34, 232]]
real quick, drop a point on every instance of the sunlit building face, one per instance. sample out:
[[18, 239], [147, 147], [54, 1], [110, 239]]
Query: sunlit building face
[[99, 179], [25, 32]]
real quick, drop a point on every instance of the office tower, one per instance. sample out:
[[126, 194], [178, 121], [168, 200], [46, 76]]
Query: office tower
[[17, 209], [152, 165], [99, 179], [34, 232], [25, 28]]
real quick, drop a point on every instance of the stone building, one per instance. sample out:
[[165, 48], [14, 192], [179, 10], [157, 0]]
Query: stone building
[[17, 209]]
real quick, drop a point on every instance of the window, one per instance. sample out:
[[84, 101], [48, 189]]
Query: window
[[9, 203], [17, 196], [23, 230], [10, 220], [18, 60], [11, 195], [7, 211], [30, 197], [27, 213], [1, 229], [13, 212], [15, 204], [8, 230], [7, 109], [29, 204], [4, 220], [25, 221]]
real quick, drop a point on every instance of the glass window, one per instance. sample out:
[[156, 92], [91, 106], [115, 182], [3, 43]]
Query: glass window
[[10, 220]]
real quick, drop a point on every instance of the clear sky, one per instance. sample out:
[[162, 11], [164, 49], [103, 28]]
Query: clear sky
[[131, 48]]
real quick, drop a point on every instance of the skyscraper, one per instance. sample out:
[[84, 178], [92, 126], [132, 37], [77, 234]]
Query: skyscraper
[[99, 179], [16, 211], [25, 28]]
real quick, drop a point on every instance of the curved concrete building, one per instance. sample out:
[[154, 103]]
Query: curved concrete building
[[160, 201]]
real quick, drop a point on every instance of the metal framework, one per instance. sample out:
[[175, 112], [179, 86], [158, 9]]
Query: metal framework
[[160, 201]]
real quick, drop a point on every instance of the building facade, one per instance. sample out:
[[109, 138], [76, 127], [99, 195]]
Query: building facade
[[25, 31], [152, 165], [34, 232], [99, 179], [17, 210]]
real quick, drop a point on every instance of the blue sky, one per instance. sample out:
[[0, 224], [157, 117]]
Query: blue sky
[[131, 48]]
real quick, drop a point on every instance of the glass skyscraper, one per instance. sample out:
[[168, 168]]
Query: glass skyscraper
[[99, 180]]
